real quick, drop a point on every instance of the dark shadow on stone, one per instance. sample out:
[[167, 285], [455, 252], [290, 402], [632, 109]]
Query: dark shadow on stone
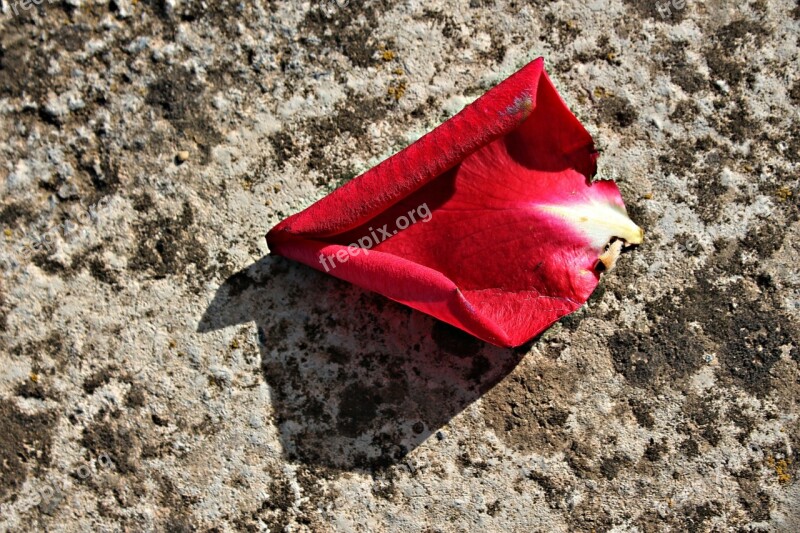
[[347, 393]]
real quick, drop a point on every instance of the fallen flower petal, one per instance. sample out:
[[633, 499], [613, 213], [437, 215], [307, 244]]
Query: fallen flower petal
[[517, 233]]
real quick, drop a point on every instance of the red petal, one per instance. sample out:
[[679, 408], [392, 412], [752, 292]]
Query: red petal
[[512, 228]]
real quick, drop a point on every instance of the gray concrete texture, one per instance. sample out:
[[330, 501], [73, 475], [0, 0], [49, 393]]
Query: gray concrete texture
[[161, 372]]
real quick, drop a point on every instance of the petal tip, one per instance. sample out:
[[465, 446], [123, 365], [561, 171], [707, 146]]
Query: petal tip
[[608, 259]]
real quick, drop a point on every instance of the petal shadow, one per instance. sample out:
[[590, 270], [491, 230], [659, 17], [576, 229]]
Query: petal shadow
[[357, 381]]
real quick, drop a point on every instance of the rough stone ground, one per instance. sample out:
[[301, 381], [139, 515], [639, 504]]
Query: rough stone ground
[[159, 373]]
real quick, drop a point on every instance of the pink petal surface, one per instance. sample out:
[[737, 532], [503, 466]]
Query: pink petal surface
[[516, 226]]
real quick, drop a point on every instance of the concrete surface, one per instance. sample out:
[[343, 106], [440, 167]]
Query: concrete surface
[[159, 373]]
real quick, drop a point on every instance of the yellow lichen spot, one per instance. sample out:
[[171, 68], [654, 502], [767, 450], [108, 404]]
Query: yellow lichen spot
[[601, 92], [784, 193], [781, 467], [397, 90], [34, 377], [398, 71], [7, 232], [235, 344], [648, 196], [387, 55]]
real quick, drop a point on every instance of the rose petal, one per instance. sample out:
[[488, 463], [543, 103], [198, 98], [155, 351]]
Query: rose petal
[[517, 232]]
